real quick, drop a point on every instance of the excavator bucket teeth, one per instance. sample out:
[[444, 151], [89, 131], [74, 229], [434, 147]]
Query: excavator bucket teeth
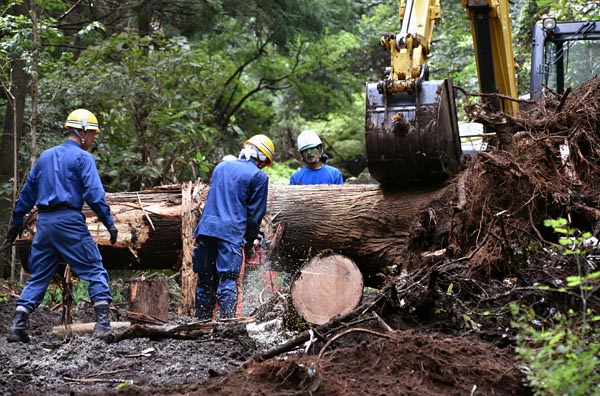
[[412, 138]]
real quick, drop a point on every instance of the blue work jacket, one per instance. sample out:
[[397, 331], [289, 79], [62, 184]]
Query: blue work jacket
[[64, 175], [236, 202], [325, 175]]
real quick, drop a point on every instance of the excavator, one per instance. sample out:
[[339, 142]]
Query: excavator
[[411, 122]]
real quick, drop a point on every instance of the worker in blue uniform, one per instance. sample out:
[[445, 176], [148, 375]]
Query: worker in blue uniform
[[62, 179], [235, 206], [316, 171]]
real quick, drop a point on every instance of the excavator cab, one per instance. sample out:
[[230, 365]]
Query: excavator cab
[[564, 54]]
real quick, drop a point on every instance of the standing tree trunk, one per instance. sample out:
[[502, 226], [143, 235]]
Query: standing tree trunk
[[193, 196], [11, 137]]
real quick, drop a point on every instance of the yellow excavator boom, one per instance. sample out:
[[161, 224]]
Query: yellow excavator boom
[[410, 49], [411, 127], [494, 56]]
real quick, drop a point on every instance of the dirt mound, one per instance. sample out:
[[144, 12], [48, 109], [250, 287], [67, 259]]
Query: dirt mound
[[359, 359], [398, 364]]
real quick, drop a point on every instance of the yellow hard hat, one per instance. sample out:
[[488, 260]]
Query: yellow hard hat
[[82, 119], [264, 145]]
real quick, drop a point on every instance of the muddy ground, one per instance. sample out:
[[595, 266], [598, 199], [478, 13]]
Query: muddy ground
[[362, 356]]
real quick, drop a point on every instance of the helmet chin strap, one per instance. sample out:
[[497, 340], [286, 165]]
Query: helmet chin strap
[[81, 139], [84, 125]]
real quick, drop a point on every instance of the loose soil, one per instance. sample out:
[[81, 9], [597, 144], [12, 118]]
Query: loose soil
[[365, 359]]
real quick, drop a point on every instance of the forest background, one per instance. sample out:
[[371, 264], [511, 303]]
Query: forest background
[[178, 84]]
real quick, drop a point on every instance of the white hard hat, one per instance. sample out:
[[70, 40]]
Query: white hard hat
[[308, 139]]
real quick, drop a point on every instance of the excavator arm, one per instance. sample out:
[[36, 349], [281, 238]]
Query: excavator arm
[[411, 129], [410, 48], [411, 126]]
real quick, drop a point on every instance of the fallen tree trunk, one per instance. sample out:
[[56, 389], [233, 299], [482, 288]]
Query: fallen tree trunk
[[149, 224], [366, 223]]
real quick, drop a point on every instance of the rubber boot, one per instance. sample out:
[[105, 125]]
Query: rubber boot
[[102, 310], [17, 331]]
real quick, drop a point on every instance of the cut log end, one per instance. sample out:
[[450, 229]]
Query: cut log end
[[328, 285]]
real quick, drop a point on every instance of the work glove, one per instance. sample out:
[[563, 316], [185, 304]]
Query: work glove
[[260, 240], [14, 231], [249, 250], [113, 231]]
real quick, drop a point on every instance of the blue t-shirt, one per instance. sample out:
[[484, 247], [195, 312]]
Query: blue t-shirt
[[325, 175], [64, 175], [236, 202]]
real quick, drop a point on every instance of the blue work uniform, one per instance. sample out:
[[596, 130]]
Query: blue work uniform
[[233, 211], [325, 175], [62, 179]]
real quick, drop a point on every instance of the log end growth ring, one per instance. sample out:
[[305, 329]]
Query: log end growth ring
[[328, 286]]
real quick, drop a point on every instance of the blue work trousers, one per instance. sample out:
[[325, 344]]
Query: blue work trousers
[[63, 234], [218, 264]]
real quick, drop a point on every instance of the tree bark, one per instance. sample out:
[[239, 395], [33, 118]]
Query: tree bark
[[149, 224], [367, 223], [150, 297]]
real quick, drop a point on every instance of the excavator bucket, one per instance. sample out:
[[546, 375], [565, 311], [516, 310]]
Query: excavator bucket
[[412, 138]]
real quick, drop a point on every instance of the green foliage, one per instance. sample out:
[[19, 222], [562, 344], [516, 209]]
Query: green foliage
[[53, 296], [280, 22], [570, 239], [16, 38], [561, 358], [570, 10], [79, 292], [153, 99], [125, 384], [115, 292], [279, 173]]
